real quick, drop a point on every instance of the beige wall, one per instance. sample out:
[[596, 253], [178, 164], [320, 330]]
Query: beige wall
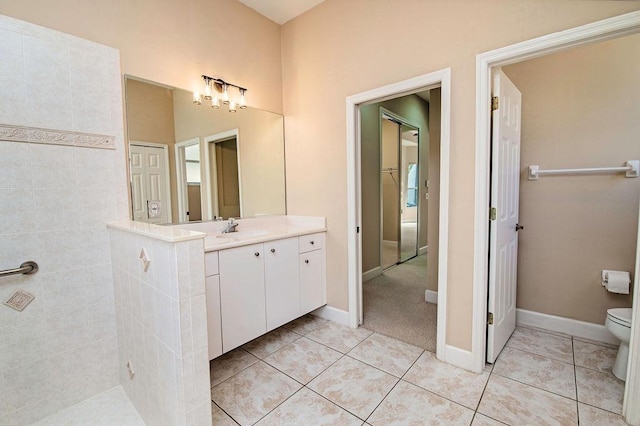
[[174, 42], [338, 49], [579, 109], [416, 111]]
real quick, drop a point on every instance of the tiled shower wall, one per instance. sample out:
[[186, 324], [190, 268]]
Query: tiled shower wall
[[54, 203]]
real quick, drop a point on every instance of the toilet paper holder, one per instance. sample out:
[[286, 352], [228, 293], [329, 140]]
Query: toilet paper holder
[[605, 276]]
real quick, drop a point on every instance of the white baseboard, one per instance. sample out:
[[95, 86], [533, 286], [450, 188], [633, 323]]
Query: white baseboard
[[333, 314], [586, 330], [423, 250], [372, 273], [431, 296], [459, 358]]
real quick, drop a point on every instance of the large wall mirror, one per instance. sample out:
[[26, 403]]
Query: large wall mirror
[[191, 162]]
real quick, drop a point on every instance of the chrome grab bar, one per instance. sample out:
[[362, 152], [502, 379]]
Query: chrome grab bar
[[26, 268]]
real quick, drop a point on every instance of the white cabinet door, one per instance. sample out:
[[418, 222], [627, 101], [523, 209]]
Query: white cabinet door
[[282, 279], [311, 279], [214, 323], [242, 293]]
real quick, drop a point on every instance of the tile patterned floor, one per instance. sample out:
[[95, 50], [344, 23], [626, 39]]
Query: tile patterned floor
[[314, 372]]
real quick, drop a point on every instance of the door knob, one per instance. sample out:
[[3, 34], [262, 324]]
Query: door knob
[[519, 227]]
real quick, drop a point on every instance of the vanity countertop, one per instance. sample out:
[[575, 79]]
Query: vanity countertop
[[255, 230]]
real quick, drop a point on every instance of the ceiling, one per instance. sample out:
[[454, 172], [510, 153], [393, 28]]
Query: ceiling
[[281, 11]]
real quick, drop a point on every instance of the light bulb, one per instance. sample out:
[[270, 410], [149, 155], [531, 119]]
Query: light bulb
[[225, 95], [243, 103], [232, 106], [215, 102], [196, 98], [207, 90]]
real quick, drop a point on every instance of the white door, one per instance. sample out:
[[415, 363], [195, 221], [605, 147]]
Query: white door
[[148, 184], [505, 186]]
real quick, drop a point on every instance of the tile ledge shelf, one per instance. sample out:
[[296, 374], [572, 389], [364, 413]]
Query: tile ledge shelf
[[159, 232], [14, 133]]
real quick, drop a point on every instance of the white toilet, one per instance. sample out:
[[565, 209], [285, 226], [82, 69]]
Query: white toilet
[[619, 324]]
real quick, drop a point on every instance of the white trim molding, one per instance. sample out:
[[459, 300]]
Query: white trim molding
[[442, 79], [431, 296], [333, 314], [605, 29], [371, 274], [586, 330], [13, 133]]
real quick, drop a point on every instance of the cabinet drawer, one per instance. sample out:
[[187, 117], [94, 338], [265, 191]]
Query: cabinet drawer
[[310, 242], [211, 263]]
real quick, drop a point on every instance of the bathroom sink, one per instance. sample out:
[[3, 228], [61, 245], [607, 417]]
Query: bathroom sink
[[243, 235]]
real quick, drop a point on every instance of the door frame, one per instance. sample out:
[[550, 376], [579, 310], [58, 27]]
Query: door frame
[[602, 30], [181, 177], [442, 79], [165, 149], [211, 178]]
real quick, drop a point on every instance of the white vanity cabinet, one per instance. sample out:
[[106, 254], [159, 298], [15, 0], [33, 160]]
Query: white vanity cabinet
[[214, 323], [312, 281], [256, 288], [242, 295], [281, 282]]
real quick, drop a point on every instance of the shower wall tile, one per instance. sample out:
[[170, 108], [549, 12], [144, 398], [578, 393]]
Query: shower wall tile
[[13, 108], [15, 170], [162, 328], [12, 65], [54, 204]]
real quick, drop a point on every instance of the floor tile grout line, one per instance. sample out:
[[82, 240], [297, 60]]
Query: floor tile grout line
[[540, 355], [382, 400], [276, 407], [222, 409], [334, 403], [484, 388], [538, 387], [575, 380]]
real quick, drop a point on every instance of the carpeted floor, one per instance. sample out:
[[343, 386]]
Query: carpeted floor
[[394, 305]]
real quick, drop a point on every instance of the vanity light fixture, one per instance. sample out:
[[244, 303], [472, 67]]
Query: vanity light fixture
[[215, 86]]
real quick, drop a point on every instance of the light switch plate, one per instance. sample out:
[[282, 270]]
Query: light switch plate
[[144, 258]]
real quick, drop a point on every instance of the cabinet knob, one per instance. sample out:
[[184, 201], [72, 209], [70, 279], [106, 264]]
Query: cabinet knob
[[312, 242], [257, 253], [306, 261], [273, 250]]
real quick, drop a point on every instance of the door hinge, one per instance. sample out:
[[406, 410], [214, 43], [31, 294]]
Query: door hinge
[[492, 213], [357, 229], [490, 318], [495, 103]]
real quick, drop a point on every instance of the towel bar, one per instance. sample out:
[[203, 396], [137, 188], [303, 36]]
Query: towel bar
[[631, 169]]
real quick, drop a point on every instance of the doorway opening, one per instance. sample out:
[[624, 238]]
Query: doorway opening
[[486, 63], [189, 181], [361, 219], [223, 173], [396, 153]]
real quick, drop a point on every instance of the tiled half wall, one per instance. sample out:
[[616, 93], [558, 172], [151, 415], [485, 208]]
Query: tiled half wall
[[162, 325]]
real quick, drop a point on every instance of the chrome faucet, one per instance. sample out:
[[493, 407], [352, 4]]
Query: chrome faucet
[[230, 226]]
